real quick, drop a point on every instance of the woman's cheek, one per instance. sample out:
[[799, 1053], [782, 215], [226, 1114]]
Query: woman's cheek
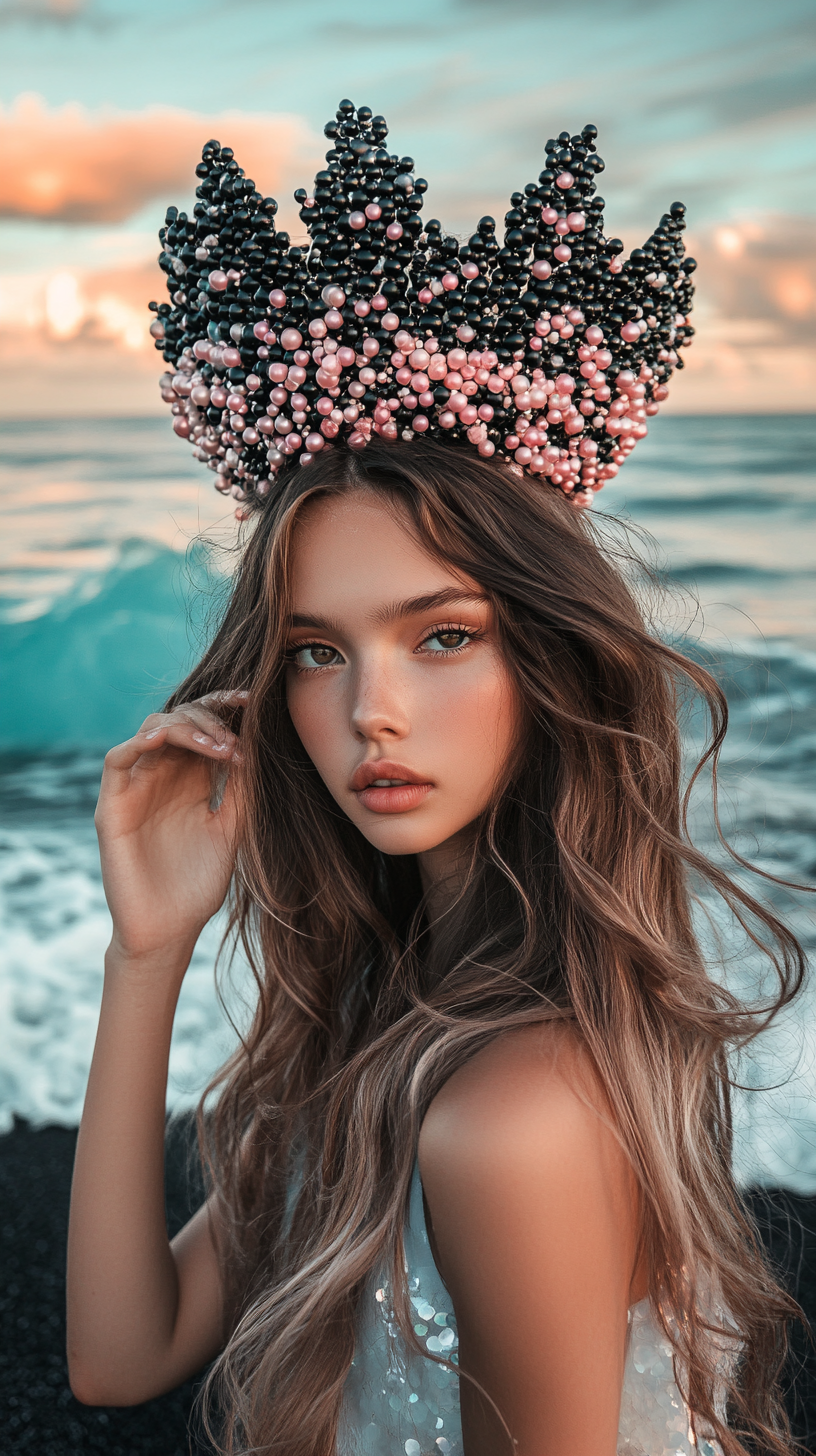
[[311, 711]]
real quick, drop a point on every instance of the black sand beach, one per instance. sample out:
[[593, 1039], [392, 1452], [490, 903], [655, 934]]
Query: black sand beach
[[38, 1414]]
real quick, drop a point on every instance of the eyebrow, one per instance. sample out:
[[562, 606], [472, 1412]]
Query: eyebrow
[[397, 611]]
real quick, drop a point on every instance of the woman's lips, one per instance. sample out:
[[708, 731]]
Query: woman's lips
[[393, 800], [386, 787]]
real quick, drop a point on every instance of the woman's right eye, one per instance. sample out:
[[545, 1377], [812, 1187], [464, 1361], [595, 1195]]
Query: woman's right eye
[[314, 654]]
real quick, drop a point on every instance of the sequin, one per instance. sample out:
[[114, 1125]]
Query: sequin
[[396, 1402]]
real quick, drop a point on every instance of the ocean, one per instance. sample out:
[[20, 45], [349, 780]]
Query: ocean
[[108, 588]]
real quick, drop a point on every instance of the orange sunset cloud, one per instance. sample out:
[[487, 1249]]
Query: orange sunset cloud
[[68, 164]]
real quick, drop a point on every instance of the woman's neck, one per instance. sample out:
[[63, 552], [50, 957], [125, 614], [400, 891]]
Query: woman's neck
[[443, 871]]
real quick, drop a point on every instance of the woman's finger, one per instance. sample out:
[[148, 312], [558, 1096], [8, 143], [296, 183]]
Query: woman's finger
[[173, 732], [234, 697], [194, 713]]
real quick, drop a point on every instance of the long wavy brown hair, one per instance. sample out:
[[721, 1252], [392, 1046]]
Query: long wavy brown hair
[[577, 906]]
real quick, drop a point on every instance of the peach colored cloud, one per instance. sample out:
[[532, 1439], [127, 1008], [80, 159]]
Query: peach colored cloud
[[69, 164], [754, 314]]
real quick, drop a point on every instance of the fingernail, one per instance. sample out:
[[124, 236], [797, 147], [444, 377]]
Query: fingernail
[[222, 747], [201, 738], [154, 733]]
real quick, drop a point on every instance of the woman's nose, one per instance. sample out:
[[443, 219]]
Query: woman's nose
[[379, 710]]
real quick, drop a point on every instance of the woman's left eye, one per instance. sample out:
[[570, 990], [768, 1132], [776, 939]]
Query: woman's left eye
[[447, 639]]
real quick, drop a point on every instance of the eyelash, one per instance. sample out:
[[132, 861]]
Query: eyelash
[[473, 634]]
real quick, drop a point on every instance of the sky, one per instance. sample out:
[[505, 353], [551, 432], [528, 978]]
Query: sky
[[104, 106]]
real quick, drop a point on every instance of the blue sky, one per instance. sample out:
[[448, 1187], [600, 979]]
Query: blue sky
[[712, 99]]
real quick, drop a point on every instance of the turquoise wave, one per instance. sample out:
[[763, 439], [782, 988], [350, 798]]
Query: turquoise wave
[[107, 653]]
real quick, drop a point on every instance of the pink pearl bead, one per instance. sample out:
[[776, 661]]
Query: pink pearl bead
[[562, 227], [200, 395], [299, 402], [362, 308], [575, 316], [487, 448], [403, 375], [419, 359], [325, 405], [470, 270], [217, 280], [333, 320], [379, 303], [266, 426], [270, 338], [630, 332], [425, 295], [317, 329], [181, 425], [357, 220], [394, 231], [218, 396], [370, 348], [277, 298], [564, 181], [291, 339], [577, 221], [562, 253], [373, 212], [426, 399], [549, 215], [346, 356], [485, 412], [447, 419], [465, 333], [468, 414], [330, 429], [523, 455], [541, 268], [603, 358], [390, 321], [251, 435], [419, 382], [314, 442], [450, 281], [232, 358], [420, 424], [594, 335]]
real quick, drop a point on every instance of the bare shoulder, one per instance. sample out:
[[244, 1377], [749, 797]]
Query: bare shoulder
[[534, 1222], [531, 1091]]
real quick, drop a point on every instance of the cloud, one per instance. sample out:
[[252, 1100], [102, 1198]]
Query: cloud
[[55, 11], [69, 164], [754, 314]]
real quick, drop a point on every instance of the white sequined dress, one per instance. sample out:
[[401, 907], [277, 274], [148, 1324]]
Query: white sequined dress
[[398, 1404]]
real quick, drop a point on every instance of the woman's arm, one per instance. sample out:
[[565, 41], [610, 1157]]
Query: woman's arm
[[144, 1314], [535, 1219]]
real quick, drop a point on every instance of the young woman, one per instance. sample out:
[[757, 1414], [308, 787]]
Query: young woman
[[470, 1184]]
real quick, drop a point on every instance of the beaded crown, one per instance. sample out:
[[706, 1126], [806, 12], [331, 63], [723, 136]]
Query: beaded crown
[[550, 351]]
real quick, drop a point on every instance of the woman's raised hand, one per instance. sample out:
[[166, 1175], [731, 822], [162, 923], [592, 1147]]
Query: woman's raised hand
[[167, 843]]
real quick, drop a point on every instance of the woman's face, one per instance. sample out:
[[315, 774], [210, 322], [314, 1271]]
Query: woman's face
[[396, 683]]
